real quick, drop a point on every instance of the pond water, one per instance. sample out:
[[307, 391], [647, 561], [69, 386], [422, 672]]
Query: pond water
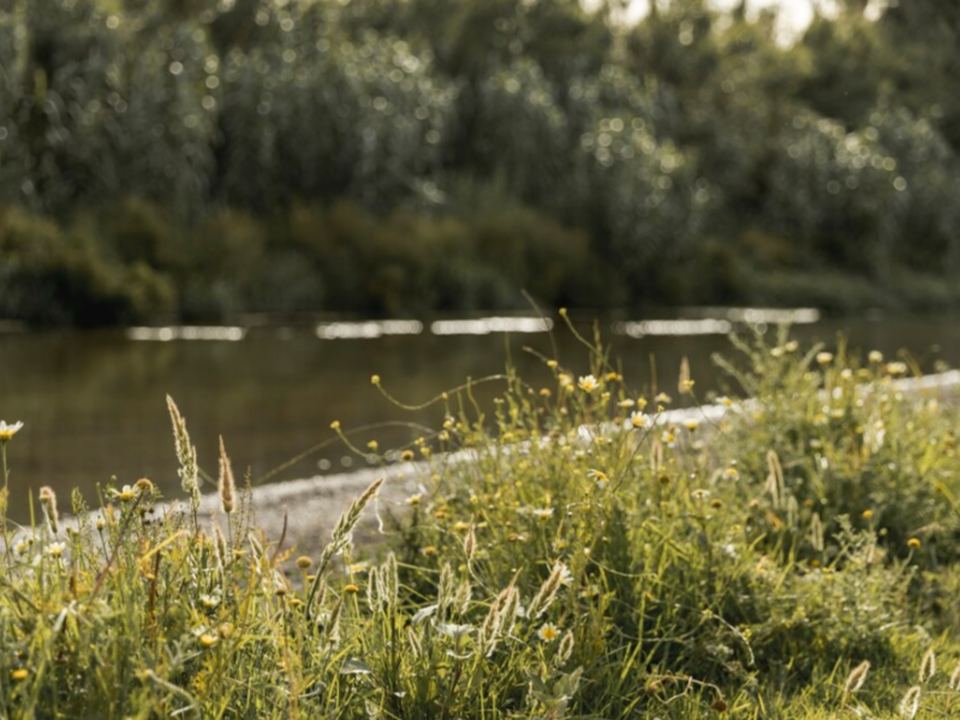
[[93, 402]]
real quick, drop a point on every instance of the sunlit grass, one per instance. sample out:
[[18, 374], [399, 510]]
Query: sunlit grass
[[790, 554]]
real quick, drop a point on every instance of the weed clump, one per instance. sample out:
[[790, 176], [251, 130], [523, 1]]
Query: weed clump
[[577, 550]]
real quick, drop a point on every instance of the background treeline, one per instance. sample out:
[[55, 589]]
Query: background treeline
[[210, 157]]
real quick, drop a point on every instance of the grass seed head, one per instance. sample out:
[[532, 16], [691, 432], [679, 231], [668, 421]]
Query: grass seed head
[[374, 596], [510, 608], [565, 650], [388, 581], [955, 679], [856, 678], [225, 483], [445, 589], [48, 501], [498, 620], [548, 591], [910, 704], [816, 532], [470, 544], [775, 484], [332, 628], [414, 645], [186, 454], [348, 520], [928, 666], [461, 597]]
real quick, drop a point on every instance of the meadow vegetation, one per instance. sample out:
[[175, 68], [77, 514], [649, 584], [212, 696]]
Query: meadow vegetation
[[193, 159], [790, 553]]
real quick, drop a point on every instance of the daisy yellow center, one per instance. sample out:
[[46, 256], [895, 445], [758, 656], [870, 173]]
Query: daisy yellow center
[[549, 633]]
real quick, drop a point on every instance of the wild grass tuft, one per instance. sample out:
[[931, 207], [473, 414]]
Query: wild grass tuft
[[576, 551]]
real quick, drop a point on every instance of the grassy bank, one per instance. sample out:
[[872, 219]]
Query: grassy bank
[[795, 559]]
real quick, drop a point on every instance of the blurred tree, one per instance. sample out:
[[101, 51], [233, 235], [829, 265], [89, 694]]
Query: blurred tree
[[849, 65], [923, 37], [692, 134]]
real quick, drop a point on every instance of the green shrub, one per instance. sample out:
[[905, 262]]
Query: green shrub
[[60, 276], [140, 231]]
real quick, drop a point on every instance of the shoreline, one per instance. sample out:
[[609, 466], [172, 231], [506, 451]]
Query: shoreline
[[313, 504], [304, 511]]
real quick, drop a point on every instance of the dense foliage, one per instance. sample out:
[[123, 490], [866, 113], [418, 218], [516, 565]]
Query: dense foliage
[[691, 157], [790, 556]]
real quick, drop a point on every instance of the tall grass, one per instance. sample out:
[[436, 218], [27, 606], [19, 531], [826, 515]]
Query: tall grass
[[586, 555]]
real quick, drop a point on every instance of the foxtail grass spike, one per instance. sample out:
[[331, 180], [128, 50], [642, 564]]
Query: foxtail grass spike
[[955, 679], [565, 650], [548, 591], [186, 454], [470, 544], [856, 678], [928, 666], [389, 581], [48, 501], [910, 704], [342, 534], [225, 484], [775, 484]]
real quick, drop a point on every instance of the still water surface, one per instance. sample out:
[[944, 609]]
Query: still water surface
[[93, 402]]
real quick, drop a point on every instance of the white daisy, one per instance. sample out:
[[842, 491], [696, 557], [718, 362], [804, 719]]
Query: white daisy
[[639, 420], [8, 431], [548, 632]]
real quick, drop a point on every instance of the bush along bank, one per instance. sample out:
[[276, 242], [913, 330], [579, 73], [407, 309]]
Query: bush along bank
[[133, 263]]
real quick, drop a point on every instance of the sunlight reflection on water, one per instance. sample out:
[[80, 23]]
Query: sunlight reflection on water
[[708, 321], [188, 332], [485, 326], [369, 329], [716, 321], [672, 327]]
